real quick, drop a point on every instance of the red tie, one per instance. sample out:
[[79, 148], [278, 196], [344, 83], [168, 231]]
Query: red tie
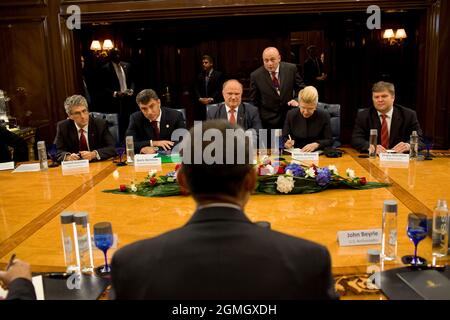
[[275, 82], [155, 129], [232, 117], [83, 142], [384, 132]]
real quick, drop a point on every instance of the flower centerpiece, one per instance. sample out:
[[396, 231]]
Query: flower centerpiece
[[277, 177], [274, 177]]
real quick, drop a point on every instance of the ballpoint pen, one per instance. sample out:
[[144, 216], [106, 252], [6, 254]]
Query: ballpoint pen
[[11, 260]]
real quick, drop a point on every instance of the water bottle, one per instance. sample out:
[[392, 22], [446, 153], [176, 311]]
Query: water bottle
[[440, 229], [130, 149], [414, 145], [67, 234], [42, 153], [277, 141], [373, 142], [389, 237], [83, 236]]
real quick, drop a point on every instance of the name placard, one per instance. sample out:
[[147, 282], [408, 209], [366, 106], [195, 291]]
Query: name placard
[[305, 156], [7, 165], [394, 157], [146, 160], [75, 167], [359, 237]]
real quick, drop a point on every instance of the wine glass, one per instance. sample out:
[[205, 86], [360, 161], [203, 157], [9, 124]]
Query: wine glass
[[52, 155], [417, 230], [103, 239], [120, 152]]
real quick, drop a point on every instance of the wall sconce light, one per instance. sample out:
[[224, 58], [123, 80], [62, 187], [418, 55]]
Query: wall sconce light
[[396, 38], [101, 50]]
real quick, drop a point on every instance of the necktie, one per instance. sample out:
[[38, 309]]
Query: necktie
[[384, 132], [83, 142], [121, 77], [275, 81], [155, 129], [206, 84], [232, 117]]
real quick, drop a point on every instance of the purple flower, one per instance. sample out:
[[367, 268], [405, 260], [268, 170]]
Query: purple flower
[[323, 176], [295, 169]]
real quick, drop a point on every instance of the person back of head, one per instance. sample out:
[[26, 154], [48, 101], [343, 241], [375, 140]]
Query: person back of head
[[218, 172]]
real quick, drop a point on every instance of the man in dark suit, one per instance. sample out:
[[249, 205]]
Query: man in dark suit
[[394, 123], [314, 74], [153, 126], [7, 138], [81, 136], [208, 86], [273, 88], [244, 114], [117, 80], [220, 253]]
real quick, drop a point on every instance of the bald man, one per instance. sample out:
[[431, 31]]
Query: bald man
[[273, 88]]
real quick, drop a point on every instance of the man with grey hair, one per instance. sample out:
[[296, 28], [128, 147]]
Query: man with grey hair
[[152, 127], [394, 123], [81, 136]]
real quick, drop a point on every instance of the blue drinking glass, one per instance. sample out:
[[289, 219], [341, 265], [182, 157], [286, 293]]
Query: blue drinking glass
[[120, 150], [417, 230], [103, 239]]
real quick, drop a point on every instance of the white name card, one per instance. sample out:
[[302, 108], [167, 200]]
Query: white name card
[[146, 160], [7, 165], [305, 156], [359, 237], [394, 157], [75, 167]]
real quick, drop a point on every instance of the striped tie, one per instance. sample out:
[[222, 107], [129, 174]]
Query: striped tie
[[384, 132]]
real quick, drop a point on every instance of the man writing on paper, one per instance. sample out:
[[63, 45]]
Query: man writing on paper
[[153, 126], [81, 136], [394, 123]]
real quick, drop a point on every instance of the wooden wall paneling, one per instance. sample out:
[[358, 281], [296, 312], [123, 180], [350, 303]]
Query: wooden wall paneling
[[427, 111], [18, 3], [28, 69]]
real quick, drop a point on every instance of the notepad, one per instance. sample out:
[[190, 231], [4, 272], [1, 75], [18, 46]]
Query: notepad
[[429, 284]]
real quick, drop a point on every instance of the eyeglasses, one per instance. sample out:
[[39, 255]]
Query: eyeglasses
[[79, 113]]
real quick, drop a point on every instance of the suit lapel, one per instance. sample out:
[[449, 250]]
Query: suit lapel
[[73, 136], [396, 122], [241, 116], [92, 134], [268, 80], [282, 78], [222, 111], [164, 124]]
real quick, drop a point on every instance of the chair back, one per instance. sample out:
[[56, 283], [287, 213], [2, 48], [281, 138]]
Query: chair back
[[183, 112], [335, 118], [112, 120]]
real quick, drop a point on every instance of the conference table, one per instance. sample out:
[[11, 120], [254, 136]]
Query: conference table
[[31, 202]]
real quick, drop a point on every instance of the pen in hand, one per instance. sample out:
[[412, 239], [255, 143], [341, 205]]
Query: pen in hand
[[11, 261]]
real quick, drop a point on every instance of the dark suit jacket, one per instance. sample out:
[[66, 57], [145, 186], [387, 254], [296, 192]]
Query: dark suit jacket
[[404, 122], [215, 83], [99, 139], [7, 138], [110, 79], [273, 107], [312, 70], [142, 131], [220, 254], [247, 118], [316, 128]]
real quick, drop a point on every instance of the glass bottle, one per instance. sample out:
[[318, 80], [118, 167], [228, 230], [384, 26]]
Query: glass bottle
[[414, 145], [67, 234], [373, 142], [130, 149], [389, 237], [83, 236], [42, 153], [440, 229]]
